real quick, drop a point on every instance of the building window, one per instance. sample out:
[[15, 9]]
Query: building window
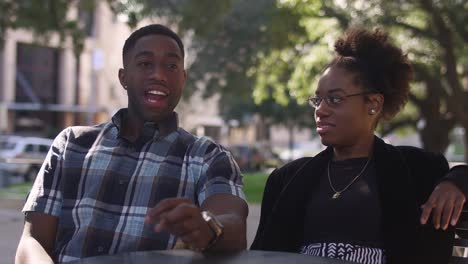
[[36, 74], [37, 83], [86, 16]]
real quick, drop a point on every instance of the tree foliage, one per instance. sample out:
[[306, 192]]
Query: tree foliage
[[44, 18]]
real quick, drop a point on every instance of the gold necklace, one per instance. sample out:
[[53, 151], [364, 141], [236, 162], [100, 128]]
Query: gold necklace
[[338, 193]]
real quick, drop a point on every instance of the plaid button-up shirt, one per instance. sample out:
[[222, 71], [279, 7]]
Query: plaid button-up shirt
[[100, 185]]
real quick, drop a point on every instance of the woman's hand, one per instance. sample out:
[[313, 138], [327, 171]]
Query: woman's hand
[[445, 203]]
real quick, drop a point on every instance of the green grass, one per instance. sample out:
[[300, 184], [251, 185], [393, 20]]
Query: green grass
[[16, 191], [254, 184]]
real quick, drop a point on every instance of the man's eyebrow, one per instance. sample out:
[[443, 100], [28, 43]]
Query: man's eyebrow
[[173, 55], [149, 53], [143, 53]]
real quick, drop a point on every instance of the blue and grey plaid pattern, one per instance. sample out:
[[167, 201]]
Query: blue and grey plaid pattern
[[100, 186]]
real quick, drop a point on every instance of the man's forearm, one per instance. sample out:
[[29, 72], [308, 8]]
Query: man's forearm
[[195, 229], [234, 234], [31, 251]]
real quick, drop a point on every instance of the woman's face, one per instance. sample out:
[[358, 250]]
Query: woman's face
[[346, 117]]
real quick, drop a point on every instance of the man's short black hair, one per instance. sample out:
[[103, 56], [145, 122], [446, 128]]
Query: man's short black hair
[[153, 29]]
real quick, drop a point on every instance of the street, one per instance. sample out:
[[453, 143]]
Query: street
[[11, 224]]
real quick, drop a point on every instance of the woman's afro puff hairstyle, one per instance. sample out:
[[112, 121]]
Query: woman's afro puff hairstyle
[[379, 65]]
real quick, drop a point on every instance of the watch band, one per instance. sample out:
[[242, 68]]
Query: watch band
[[215, 226]]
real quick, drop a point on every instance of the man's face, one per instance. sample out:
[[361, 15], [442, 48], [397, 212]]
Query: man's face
[[154, 77]]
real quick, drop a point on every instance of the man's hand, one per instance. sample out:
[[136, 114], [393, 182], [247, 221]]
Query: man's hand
[[445, 203], [180, 217]]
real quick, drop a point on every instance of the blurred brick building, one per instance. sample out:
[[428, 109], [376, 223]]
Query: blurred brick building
[[44, 88]]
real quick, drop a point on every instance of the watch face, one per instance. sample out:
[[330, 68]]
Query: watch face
[[206, 216], [214, 224]]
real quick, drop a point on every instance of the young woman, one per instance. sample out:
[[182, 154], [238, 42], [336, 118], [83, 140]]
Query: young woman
[[361, 199]]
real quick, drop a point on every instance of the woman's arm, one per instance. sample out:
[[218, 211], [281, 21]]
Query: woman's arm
[[448, 198], [459, 176]]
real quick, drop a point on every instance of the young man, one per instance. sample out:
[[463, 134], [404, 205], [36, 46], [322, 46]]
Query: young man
[[137, 182]]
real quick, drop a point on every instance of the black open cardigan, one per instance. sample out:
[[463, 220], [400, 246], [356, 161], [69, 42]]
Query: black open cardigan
[[406, 176]]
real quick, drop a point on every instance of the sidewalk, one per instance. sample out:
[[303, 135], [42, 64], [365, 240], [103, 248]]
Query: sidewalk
[[11, 226]]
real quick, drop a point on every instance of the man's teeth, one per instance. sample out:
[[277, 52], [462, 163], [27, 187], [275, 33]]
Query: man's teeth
[[157, 93]]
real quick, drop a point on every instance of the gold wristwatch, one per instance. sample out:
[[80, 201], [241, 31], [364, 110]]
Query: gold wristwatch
[[215, 226]]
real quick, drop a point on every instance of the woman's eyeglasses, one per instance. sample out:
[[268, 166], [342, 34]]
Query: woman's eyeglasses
[[331, 100]]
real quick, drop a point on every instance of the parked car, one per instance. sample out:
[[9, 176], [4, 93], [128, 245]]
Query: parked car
[[254, 158], [22, 156]]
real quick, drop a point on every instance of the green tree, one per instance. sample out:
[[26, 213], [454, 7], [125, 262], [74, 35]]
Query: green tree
[[44, 18], [233, 54]]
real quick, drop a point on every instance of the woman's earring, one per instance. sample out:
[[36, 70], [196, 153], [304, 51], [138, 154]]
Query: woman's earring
[[372, 111]]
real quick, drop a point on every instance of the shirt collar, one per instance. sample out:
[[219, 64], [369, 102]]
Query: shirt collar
[[156, 130]]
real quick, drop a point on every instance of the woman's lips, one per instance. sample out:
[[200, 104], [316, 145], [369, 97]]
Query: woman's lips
[[323, 128]]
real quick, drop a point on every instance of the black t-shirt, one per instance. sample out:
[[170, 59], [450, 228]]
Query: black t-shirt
[[355, 217]]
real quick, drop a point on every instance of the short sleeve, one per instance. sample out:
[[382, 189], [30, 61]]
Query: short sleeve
[[220, 174], [45, 195]]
